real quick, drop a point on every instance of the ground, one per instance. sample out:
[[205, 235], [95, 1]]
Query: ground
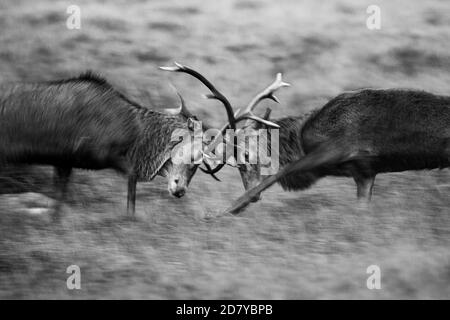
[[315, 244]]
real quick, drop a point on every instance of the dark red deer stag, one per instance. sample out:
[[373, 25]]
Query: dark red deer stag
[[85, 123], [360, 134]]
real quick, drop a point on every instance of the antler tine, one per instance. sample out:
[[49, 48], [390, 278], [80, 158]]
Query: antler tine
[[182, 107], [267, 93], [211, 171], [215, 94]]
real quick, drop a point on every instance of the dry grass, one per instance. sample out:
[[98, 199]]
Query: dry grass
[[313, 244]]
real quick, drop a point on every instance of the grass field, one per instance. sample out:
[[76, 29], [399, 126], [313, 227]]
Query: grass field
[[315, 244]]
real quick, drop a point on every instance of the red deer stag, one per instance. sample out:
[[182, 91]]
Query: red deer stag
[[85, 123], [360, 134]]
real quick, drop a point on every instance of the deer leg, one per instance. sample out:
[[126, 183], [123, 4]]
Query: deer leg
[[364, 186], [61, 180], [131, 197]]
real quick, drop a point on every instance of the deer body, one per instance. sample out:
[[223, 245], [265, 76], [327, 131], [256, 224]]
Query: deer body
[[85, 123], [390, 130]]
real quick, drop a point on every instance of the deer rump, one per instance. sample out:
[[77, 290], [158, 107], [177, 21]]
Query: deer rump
[[382, 131], [360, 134], [80, 125]]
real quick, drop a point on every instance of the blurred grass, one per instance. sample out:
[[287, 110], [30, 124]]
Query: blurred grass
[[312, 244]]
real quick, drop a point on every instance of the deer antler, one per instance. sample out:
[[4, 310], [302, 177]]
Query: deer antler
[[215, 94], [247, 113], [182, 108], [267, 93]]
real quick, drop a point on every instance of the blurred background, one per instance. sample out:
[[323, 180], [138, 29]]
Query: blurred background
[[315, 244]]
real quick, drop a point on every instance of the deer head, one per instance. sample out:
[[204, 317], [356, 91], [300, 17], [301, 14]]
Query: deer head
[[228, 135]]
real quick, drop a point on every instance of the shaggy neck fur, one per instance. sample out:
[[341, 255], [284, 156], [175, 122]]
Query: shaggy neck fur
[[153, 148], [291, 149]]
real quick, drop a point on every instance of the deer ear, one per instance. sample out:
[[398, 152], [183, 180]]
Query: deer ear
[[156, 163], [156, 153]]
